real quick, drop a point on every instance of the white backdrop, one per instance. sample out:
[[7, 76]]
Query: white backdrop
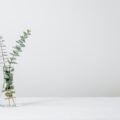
[[74, 49]]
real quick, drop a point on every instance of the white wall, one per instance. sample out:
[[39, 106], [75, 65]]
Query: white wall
[[74, 49]]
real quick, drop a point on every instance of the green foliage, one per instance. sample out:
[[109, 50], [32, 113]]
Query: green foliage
[[13, 62], [22, 45], [15, 52], [9, 69], [18, 48]]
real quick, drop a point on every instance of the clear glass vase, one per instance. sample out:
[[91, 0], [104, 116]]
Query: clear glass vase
[[8, 93]]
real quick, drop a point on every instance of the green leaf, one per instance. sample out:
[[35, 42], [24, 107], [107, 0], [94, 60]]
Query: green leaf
[[9, 61], [13, 91], [6, 76], [11, 87], [22, 37], [22, 45], [12, 69], [18, 48], [5, 68], [13, 58], [28, 32], [23, 40], [11, 76], [13, 62], [19, 41], [15, 53], [12, 54], [25, 34]]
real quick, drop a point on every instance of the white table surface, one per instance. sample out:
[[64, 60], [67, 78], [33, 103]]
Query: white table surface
[[76, 108]]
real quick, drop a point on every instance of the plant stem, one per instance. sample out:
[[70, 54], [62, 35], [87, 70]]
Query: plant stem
[[11, 62], [3, 60], [2, 53]]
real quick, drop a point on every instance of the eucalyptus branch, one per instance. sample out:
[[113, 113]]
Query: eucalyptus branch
[[2, 52], [18, 47], [8, 87]]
